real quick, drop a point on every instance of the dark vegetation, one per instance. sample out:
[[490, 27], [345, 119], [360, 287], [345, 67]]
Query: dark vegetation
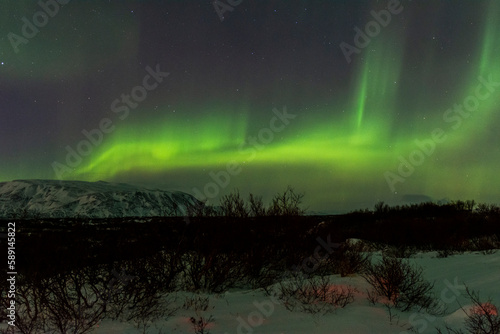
[[74, 272], [482, 318], [401, 284]]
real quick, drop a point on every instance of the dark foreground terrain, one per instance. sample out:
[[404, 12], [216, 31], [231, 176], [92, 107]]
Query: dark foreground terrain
[[48, 246], [79, 270]]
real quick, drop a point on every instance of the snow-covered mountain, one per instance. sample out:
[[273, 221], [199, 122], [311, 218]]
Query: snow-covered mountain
[[63, 199]]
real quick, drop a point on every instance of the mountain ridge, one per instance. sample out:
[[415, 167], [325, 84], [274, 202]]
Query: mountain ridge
[[81, 199]]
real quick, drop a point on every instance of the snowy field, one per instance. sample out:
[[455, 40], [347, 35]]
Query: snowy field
[[252, 311]]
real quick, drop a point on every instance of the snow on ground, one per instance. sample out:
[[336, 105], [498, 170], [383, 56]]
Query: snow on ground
[[251, 311]]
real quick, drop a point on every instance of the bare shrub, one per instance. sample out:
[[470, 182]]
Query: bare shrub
[[400, 251], [257, 208], [401, 283], [444, 253], [201, 323], [456, 247], [269, 275], [77, 300], [372, 296], [487, 209], [350, 259], [485, 244], [30, 317], [233, 205], [144, 307], [200, 209], [286, 204], [313, 295], [482, 318], [263, 266], [213, 272], [470, 204], [459, 205], [138, 294], [200, 305], [196, 303], [381, 208], [64, 303], [70, 304]]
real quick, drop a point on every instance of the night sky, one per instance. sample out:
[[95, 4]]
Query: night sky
[[350, 102]]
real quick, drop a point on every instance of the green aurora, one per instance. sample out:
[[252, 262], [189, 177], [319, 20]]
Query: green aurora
[[343, 153]]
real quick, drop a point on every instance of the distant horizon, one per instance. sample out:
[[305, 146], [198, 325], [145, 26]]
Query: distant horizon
[[404, 200]]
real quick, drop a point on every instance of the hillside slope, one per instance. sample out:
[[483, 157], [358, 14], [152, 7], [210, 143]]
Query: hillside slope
[[60, 199]]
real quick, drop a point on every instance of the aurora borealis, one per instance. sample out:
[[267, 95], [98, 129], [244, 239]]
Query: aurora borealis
[[263, 99]]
